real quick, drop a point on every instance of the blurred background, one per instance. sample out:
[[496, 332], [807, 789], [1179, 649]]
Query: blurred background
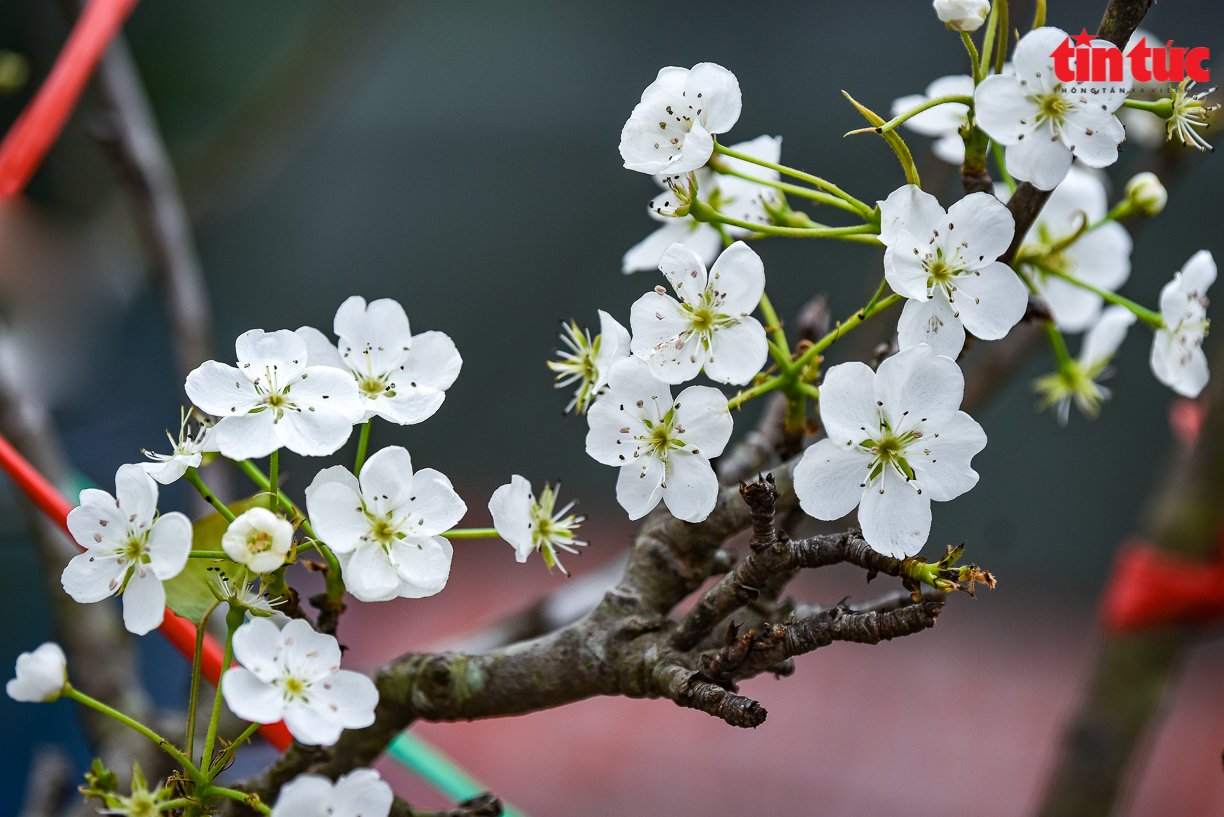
[[461, 158]]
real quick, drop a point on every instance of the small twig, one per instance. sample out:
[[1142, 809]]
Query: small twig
[[48, 782]]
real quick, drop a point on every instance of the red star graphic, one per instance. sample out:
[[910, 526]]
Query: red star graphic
[[1083, 38]]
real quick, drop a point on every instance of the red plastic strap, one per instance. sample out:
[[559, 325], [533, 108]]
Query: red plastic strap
[[178, 631], [39, 125], [1153, 588]]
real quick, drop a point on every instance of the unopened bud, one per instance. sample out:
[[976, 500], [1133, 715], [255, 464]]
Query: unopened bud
[[1146, 194], [962, 15]]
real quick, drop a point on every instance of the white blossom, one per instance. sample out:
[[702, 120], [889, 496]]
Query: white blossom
[[384, 526], [672, 129], [944, 263], [1177, 351], [294, 675], [1043, 122], [530, 523], [128, 548], [585, 360], [401, 377], [710, 327], [1147, 194], [1079, 380], [943, 122], [896, 441], [1100, 257], [662, 447], [258, 539], [273, 399], [40, 675], [962, 15], [729, 194], [360, 793], [1190, 113], [185, 452]]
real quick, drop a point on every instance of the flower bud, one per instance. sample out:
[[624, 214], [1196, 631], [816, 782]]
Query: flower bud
[[41, 675], [1146, 194], [258, 539], [963, 15]]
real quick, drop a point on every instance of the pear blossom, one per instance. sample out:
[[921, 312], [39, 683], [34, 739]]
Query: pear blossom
[[40, 675], [1078, 380], [185, 452], [585, 360], [530, 524], [1100, 256], [662, 446], [293, 674], [962, 15], [943, 122], [401, 377], [944, 263], [129, 549], [1043, 122], [729, 194], [710, 327], [1177, 351], [248, 596], [258, 539], [672, 129], [896, 442], [385, 526], [273, 398], [360, 793], [1190, 111], [1146, 194]]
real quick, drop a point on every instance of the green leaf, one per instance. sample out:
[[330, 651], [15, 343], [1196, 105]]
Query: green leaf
[[188, 594]]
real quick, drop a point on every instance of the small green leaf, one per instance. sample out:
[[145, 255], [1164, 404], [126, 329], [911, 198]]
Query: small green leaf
[[188, 594]]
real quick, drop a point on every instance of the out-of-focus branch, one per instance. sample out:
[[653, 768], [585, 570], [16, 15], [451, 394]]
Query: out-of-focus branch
[[48, 782]]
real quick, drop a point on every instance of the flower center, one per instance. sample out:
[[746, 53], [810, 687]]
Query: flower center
[[1052, 107], [141, 804], [889, 450], [295, 688], [133, 550], [259, 541], [383, 531], [371, 386]]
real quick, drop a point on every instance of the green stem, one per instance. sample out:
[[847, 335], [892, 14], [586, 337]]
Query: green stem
[[1059, 345], [166, 746], [472, 533], [1000, 159], [1144, 314], [975, 60], [219, 765], [704, 212], [233, 619], [917, 109], [845, 326], [193, 697], [785, 187], [208, 554], [250, 799], [193, 477], [816, 181], [1039, 16], [363, 442], [262, 481], [764, 387], [273, 482], [1004, 26], [774, 326]]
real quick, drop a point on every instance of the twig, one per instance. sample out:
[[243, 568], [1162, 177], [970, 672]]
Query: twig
[[47, 784]]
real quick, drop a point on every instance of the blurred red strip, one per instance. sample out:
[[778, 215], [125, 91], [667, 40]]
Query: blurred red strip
[[178, 631], [39, 125], [1150, 588]]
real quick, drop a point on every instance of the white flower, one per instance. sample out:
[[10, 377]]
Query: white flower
[[531, 524], [360, 793], [400, 376], [1147, 194], [586, 360], [294, 675], [663, 447], [897, 441], [672, 129], [710, 326], [40, 675], [186, 452], [385, 526], [962, 15], [1100, 257], [731, 195], [1177, 352], [943, 121], [1044, 122], [273, 399], [1189, 111], [258, 539], [128, 548], [944, 264], [1078, 381]]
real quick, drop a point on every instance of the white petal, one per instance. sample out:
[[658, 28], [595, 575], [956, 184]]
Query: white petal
[[716, 92], [981, 227], [702, 412], [737, 352], [942, 461], [336, 514], [685, 271], [250, 698], [895, 516], [319, 350], [848, 407], [144, 602], [311, 726], [1003, 109], [1184, 371], [92, 576], [691, 489], [661, 336], [903, 265], [1103, 340], [739, 276], [1032, 59], [829, 479], [702, 239], [1039, 160], [97, 522], [257, 646], [362, 793], [136, 493], [639, 486], [606, 443], [409, 406], [919, 385], [434, 505], [248, 436], [387, 475], [349, 696], [1093, 134], [950, 148], [1072, 308], [314, 434], [309, 653], [374, 337], [307, 795], [424, 565], [369, 574], [990, 301], [282, 352], [931, 322], [908, 208], [169, 545], [510, 507], [433, 361]]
